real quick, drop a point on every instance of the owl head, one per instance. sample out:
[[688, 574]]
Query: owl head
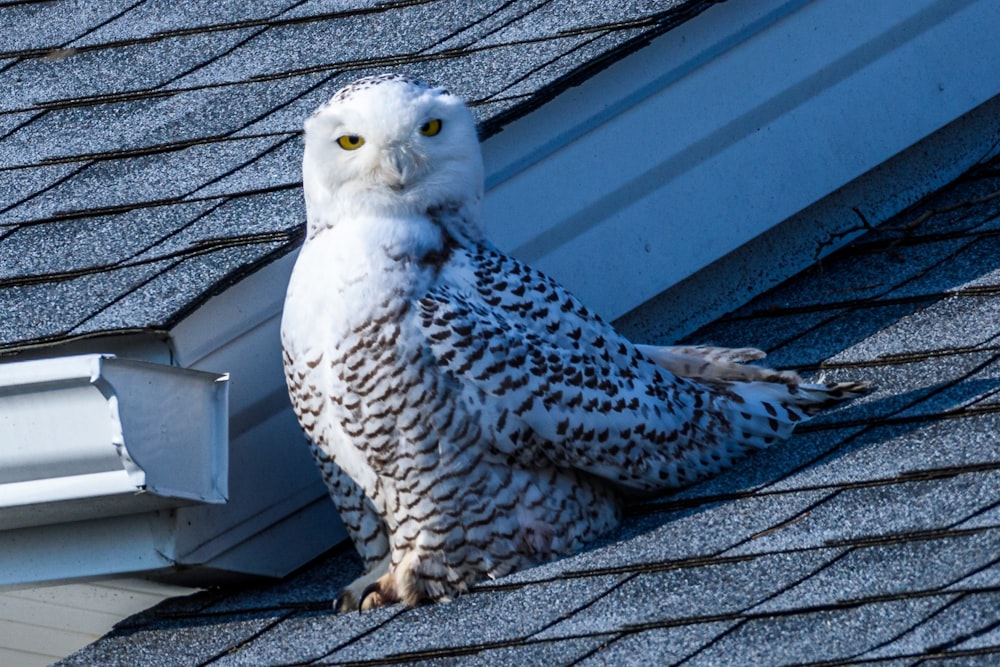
[[391, 146]]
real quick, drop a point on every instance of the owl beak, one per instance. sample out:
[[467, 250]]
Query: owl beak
[[393, 168], [398, 167]]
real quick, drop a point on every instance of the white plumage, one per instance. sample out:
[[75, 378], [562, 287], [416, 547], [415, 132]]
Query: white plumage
[[469, 415]]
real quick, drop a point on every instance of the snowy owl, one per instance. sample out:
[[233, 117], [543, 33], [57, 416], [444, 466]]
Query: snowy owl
[[469, 415]]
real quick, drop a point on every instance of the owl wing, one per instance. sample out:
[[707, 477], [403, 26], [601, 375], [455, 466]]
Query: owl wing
[[558, 384]]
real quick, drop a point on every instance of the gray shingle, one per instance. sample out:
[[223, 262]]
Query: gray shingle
[[477, 619], [62, 301], [588, 15], [159, 16], [890, 569], [965, 267], [976, 388], [305, 637], [527, 653], [85, 243], [47, 25], [882, 270], [503, 14], [987, 577], [75, 131], [20, 185], [280, 165], [141, 180], [924, 385], [482, 73], [164, 297], [171, 644], [952, 322], [588, 48], [819, 636], [121, 69], [988, 638], [989, 517], [659, 646], [319, 88], [523, 653], [122, 126], [984, 659], [245, 217], [321, 7], [905, 449], [303, 46], [892, 509], [969, 614], [705, 591], [852, 329], [10, 122]]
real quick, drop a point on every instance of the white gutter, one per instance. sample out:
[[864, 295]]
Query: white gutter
[[93, 436]]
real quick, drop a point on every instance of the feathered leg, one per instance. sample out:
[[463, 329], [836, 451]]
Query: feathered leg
[[364, 526]]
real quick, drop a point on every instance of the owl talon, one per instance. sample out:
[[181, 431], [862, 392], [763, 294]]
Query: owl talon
[[371, 589], [343, 600]]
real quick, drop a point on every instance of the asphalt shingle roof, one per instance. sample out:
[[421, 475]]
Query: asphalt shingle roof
[[870, 538], [149, 156], [134, 131]]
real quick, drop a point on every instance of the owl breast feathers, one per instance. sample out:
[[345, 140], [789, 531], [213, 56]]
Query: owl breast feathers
[[469, 415]]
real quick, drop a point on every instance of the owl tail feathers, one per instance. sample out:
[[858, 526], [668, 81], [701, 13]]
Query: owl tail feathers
[[716, 363], [760, 413], [762, 405]]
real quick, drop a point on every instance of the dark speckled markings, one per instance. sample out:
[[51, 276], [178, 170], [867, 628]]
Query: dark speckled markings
[[369, 81]]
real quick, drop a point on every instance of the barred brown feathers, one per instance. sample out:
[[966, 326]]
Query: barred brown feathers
[[468, 414]]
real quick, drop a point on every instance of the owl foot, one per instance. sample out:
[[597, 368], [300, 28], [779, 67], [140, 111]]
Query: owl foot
[[374, 596], [357, 595]]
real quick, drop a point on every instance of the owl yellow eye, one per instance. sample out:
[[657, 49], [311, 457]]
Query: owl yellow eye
[[431, 127], [350, 142]]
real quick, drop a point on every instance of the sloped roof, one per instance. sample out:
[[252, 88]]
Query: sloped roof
[[872, 537], [150, 151]]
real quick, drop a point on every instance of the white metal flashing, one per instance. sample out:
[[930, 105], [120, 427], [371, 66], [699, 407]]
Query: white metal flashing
[[92, 436]]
